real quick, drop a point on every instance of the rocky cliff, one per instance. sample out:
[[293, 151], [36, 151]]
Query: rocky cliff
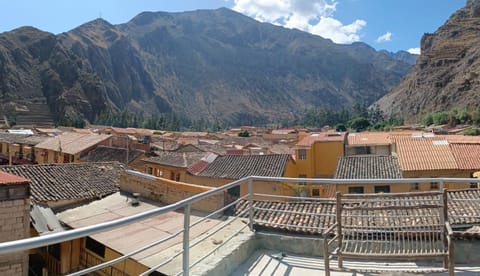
[[208, 64], [446, 74]]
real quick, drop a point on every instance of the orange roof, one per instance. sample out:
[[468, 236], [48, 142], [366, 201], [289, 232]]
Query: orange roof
[[322, 137], [423, 154], [6, 178], [462, 139], [467, 156], [369, 138]]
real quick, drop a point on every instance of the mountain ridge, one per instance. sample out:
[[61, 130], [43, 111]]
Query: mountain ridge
[[446, 74], [209, 64]]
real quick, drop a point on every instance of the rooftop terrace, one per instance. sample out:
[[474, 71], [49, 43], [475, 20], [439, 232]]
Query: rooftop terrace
[[281, 236]]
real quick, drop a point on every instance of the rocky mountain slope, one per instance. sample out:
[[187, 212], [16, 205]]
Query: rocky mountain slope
[[446, 74], [208, 64]]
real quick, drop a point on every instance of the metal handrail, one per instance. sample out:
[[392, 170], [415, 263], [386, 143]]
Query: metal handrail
[[29, 243]]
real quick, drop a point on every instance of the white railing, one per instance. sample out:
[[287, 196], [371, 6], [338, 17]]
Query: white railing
[[36, 242]]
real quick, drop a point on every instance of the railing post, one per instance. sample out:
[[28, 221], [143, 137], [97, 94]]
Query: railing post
[[250, 204], [186, 240]]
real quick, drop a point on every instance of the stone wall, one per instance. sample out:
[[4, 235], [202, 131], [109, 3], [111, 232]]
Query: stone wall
[[168, 192], [14, 225]]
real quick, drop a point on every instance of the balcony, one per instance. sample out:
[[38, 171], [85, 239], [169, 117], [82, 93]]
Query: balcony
[[256, 234]]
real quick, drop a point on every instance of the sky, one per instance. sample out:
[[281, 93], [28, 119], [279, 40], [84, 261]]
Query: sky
[[392, 25]]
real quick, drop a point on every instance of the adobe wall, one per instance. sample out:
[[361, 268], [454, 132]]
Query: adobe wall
[[168, 192], [14, 225]]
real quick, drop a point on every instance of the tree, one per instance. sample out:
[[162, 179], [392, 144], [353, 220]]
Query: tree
[[340, 127], [440, 118], [244, 133], [359, 124], [472, 132]]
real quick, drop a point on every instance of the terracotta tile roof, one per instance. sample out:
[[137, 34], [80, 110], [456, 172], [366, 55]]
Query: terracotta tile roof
[[307, 217], [369, 138], [238, 166], [368, 166], [202, 164], [71, 142], [108, 154], [7, 178], [462, 139], [176, 159], [322, 137], [467, 156], [466, 211], [423, 154], [313, 217], [54, 182]]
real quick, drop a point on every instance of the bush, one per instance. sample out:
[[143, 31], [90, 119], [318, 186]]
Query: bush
[[244, 133], [428, 119], [340, 127], [472, 132], [440, 118]]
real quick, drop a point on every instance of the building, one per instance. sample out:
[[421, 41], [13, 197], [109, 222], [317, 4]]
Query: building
[[132, 158], [14, 221], [369, 167], [317, 154], [224, 169], [172, 165], [68, 147]]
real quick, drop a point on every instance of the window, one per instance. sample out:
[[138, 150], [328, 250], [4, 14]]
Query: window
[[355, 190], [315, 192], [382, 189], [54, 251], [363, 150], [149, 170], [414, 187], [177, 177], [95, 247], [473, 185], [302, 154], [433, 186]]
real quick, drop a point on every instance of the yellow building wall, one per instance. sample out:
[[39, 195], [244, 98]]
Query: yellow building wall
[[129, 266], [326, 156], [440, 173], [305, 167]]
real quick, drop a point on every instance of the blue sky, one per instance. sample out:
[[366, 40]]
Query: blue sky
[[384, 24]]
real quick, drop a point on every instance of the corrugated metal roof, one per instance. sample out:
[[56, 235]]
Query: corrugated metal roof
[[368, 166], [44, 220], [423, 154], [239, 166], [71, 142]]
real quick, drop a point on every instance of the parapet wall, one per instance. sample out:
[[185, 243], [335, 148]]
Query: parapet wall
[[168, 191]]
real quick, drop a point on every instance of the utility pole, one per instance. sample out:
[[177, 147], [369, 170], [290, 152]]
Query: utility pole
[[126, 161]]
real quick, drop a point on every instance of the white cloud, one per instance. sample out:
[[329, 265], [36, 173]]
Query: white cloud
[[415, 51], [384, 38], [313, 16]]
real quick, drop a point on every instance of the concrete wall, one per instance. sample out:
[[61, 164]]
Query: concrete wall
[[167, 191], [14, 225]]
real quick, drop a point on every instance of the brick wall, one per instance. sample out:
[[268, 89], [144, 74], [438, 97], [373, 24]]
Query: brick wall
[[167, 191], [14, 225]]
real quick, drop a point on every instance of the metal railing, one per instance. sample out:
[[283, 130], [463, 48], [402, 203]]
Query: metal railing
[[186, 204]]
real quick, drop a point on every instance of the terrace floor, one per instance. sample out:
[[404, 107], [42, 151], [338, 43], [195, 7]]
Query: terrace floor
[[269, 262]]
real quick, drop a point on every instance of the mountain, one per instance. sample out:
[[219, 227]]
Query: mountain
[[215, 65], [446, 74], [402, 56]]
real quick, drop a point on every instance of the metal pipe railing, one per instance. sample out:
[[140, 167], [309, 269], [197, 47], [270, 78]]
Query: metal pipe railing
[[25, 244]]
